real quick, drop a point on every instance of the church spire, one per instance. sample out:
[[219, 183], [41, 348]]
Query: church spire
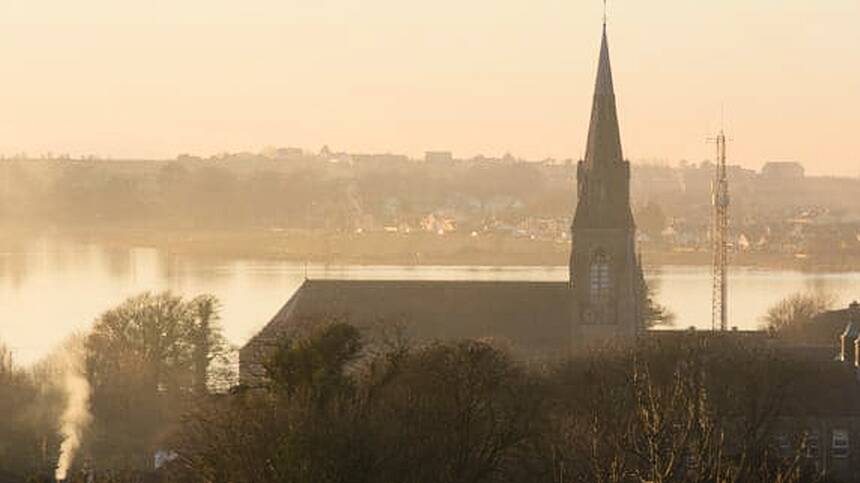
[[605, 274], [604, 138]]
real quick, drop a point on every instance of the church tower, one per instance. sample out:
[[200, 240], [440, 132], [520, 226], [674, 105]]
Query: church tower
[[605, 275]]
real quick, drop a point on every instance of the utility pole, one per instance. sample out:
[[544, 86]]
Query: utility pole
[[719, 237]]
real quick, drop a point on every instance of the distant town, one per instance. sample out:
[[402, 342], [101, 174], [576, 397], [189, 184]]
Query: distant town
[[333, 206], [325, 316]]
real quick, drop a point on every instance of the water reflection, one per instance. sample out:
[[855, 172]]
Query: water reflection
[[50, 288]]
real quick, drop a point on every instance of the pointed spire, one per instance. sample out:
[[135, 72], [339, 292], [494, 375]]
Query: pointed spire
[[604, 139], [604, 69]]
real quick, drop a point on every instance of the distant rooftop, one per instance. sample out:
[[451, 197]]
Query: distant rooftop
[[783, 170]]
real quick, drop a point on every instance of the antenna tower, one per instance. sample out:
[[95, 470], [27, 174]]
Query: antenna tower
[[719, 237]]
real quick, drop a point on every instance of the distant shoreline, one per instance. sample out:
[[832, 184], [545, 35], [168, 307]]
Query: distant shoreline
[[380, 248]]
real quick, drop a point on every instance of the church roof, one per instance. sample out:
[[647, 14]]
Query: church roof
[[533, 318], [604, 137]]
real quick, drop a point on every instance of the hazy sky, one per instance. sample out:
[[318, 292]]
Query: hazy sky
[[154, 78]]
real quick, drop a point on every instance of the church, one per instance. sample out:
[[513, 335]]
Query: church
[[602, 300]]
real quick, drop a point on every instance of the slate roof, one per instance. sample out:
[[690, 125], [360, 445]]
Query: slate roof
[[533, 318]]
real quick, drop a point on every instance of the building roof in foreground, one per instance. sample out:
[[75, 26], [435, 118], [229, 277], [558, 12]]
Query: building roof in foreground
[[533, 318], [532, 314]]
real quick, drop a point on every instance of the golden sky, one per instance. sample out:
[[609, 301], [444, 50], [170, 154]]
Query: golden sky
[[154, 78]]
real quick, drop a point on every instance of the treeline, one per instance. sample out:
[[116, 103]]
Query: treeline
[[115, 392], [225, 195], [342, 404], [310, 193], [27, 410], [340, 408]]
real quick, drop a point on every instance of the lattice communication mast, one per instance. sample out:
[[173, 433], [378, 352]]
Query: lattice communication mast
[[719, 237]]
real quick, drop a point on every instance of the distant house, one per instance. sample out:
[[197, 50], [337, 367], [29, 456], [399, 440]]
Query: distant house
[[288, 154], [783, 170], [385, 160], [438, 157], [438, 223]]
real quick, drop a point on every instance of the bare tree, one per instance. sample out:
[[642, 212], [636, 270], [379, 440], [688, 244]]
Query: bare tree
[[145, 360], [792, 316], [700, 409]]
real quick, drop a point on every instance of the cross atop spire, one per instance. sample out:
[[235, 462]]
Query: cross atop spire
[[604, 15]]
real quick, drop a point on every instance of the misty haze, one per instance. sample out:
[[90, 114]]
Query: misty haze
[[376, 241]]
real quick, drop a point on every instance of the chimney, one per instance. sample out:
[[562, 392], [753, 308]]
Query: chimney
[[848, 337], [854, 325], [854, 313], [857, 352]]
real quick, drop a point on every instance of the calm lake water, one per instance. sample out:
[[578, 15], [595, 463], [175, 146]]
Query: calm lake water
[[50, 289]]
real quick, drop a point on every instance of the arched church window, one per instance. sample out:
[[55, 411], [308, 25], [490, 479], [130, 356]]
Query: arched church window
[[599, 274]]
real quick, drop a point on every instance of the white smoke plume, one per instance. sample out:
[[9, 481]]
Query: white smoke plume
[[76, 414]]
